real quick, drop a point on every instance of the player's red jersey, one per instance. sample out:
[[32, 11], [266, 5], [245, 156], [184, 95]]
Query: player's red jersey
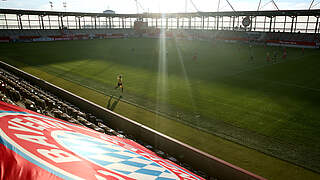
[[195, 57], [284, 56]]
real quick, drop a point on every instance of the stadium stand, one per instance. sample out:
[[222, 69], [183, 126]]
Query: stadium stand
[[307, 40], [30, 35], [19, 92]]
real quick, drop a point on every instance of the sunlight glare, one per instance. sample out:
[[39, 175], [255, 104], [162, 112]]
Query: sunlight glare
[[162, 72]]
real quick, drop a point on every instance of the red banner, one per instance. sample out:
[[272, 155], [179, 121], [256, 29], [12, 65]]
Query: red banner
[[29, 37], [33, 146], [301, 43]]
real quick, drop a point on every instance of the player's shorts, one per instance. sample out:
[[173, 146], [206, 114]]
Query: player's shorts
[[120, 85]]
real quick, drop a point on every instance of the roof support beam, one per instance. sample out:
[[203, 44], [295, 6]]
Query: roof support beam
[[311, 12], [275, 5], [259, 5], [311, 4]]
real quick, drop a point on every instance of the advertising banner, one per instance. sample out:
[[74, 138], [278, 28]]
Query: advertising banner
[[4, 39]]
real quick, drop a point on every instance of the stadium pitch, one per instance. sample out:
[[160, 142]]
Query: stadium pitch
[[272, 107]]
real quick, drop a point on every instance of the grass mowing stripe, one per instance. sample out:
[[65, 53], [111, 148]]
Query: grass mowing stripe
[[283, 83], [272, 64]]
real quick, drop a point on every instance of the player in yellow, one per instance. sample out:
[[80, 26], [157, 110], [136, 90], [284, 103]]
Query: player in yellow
[[119, 83]]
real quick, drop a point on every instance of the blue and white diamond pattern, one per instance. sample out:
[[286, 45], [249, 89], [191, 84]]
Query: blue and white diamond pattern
[[112, 157]]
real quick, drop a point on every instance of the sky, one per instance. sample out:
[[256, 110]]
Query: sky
[[164, 6]]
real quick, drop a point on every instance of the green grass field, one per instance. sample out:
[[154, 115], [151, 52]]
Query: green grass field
[[273, 108]]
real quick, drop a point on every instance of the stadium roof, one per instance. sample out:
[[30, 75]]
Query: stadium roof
[[158, 6], [312, 12]]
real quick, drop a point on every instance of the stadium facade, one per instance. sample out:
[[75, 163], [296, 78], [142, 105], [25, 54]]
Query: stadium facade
[[294, 28], [283, 27], [293, 21]]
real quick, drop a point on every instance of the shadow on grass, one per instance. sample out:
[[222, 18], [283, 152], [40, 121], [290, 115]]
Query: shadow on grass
[[112, 105]]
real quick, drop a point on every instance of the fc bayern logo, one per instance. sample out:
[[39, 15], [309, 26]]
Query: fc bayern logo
[[246, 21], [70, 151]]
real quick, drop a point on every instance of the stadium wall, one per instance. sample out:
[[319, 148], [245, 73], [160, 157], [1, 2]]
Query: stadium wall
[[303, 40], [55, 35], [211, 165]]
